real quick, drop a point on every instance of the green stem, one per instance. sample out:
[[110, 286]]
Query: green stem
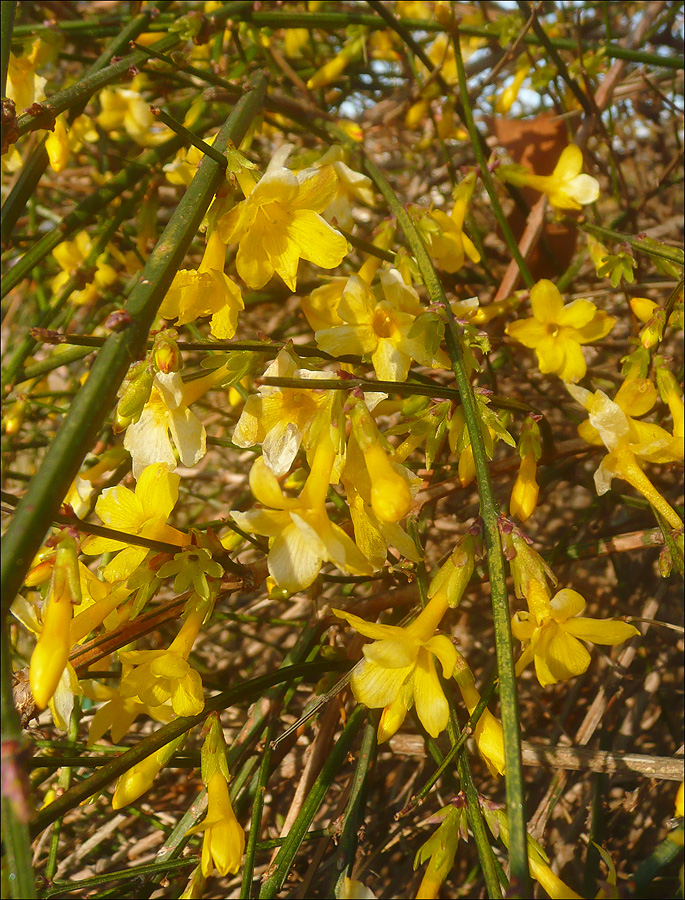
[[85, 211], [286, 855], [354, 814], [6, 27], [496, 567], [93, 402], [80, 92]]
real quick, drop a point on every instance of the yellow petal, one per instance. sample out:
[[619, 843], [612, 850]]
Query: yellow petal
[[546, 301], [429, 698], [559, 656], [376, 686], [601, 631]]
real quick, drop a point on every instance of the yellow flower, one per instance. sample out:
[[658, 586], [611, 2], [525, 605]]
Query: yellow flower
[[163, 675], [205, 292], [118, 713], [167, 413], [566, 187], [224, 839], [524, 495], [284, 419], [440, 849], [556, 332], [448, 245], [612, 423], [506, 99], [71, 255], [380, 328], [126, 108], [23, 85], [302, 536], [279, 222], [64, 139], [334, 68], [141, 776], [144, 513], [552, 632], [398, 668]]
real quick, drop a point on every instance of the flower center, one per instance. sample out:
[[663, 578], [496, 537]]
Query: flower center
[[382, 323]]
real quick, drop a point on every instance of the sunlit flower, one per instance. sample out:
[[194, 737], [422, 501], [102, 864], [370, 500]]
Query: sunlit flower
[[507, 97], [333, 68], [556, 332], [398, 668], [143, 512], [224, 839], [167, 417], [302, 537], [284, 419], [205, 292], [386, 329], [566, 187], [279, 222], [163, 675], [552, 632], [612, 423]]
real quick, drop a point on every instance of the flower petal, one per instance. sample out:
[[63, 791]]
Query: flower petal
[[601, 631], [429, 698], [546, 301], [376, 686], [292, 561]]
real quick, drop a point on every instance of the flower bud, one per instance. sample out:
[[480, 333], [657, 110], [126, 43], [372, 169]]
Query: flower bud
[[166, 357], [51, 653], [132, 401]]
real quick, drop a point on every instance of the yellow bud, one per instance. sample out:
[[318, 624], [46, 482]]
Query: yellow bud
[[51, 653], [57, 146], [14, 419], [524, 496], [643, 308], [391, 498], [133, 401]]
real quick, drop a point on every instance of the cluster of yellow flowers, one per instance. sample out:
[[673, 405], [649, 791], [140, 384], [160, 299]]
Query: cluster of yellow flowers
[[322, 444]]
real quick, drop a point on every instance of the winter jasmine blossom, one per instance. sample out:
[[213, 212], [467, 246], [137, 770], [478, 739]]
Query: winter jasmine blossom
[[552, 631], [556, 332], [279, 222]]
